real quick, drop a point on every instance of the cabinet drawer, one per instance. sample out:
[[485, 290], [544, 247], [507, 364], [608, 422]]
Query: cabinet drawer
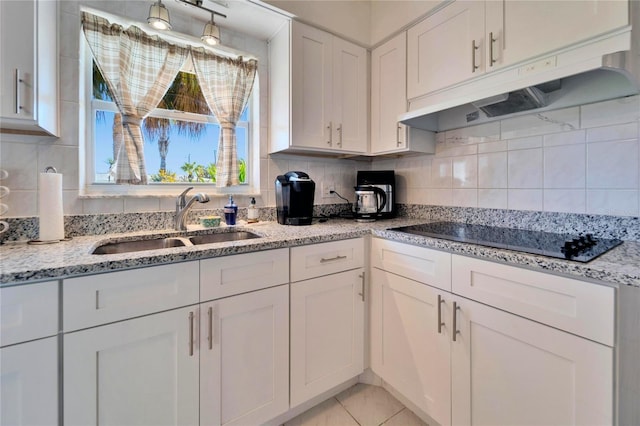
[[578, 307], [421, 264], [98, 299], [229, 275], [326, 258], [28, 312]]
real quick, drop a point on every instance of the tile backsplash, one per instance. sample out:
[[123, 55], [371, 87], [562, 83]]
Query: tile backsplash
[[576, 160]]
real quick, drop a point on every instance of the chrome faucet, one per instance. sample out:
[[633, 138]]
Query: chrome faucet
[[183, 206]]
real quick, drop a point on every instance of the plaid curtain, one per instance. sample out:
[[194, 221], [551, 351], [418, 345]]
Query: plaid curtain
[[138, 69], [226, 85]]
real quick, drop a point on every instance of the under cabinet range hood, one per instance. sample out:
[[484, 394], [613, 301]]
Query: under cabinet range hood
[[598, 70]]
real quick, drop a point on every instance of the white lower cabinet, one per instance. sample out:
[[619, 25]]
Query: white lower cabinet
[[507, 370], [142, 371], [29, 383], [467, 363], [327, 333], [409, 350], [244, 358]]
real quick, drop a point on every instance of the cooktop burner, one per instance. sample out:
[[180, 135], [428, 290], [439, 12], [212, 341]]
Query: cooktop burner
[[581, 248]]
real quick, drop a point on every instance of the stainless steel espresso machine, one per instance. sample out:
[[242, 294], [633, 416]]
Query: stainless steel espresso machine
[[375, 195]]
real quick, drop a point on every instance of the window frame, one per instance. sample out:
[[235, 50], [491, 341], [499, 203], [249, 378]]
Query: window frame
[[91, 189]]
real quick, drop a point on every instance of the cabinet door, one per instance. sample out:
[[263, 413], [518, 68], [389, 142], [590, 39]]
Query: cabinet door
[[142, 371], [409, 350], [445, 48], [508, 370], [244, 358], [327, 333], [17, 41], [312, 85], [525, 29], [349, 96], [29, 383], [388, 94]]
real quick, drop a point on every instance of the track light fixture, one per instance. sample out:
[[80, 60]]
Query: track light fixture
[[211, 33], [159, 16]]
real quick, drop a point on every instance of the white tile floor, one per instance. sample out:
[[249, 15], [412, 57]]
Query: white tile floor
[[363, 405]]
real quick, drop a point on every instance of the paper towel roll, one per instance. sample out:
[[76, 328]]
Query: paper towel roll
[[50, 207]]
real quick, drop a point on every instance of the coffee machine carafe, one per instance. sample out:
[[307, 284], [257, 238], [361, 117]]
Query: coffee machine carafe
[[385, 181], [294, 198]]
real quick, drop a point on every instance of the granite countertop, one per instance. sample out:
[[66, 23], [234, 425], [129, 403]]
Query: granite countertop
[[22, 262]]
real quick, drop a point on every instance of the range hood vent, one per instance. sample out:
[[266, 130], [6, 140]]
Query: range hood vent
[[602, 69]]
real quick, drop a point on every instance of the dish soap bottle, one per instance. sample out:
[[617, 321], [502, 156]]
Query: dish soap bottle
[[252, 212], [230, 211]]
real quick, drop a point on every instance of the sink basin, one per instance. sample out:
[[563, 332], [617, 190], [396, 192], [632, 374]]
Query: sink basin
[[160, 243], [222, 237], [139, 245]]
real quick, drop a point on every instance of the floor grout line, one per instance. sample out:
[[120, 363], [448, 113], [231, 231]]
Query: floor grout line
[[348, 412]]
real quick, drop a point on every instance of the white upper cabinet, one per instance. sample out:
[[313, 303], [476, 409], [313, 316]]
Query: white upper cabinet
[[468, 38], [318, 92], [524, 29], [445, 48], [389, 100], [29, 67]]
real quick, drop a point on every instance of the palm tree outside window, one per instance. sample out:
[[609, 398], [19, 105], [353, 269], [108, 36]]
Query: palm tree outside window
[[181, 134]]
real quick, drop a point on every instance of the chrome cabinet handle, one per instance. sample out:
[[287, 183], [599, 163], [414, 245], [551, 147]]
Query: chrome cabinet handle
[[398, 138], [18, 81], [210, 336], [455, 321], [190, 333], [440, 323], [330, 127], [362, 288], [491, 41], [474, 67], [332, 259], [339, 130]]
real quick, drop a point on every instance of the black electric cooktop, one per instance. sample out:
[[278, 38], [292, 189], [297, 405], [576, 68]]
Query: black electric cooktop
[[581, 248]]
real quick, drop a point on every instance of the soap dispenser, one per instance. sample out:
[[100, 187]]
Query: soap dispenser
[[230, 211], [252, 212]]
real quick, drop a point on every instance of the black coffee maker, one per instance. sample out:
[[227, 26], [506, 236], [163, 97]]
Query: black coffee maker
[[294, 198]]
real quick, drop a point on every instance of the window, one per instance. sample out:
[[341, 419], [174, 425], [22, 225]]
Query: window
[[180, 138]]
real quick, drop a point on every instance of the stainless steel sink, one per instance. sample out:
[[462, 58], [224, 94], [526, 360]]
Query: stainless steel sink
[[160, 243], [222, 237], [140, 245]]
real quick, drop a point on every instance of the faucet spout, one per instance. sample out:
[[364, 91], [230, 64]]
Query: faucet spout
[[183, 206]]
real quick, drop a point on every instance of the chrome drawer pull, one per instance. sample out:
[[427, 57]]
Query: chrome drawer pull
[[491, 41], [474, 67], [190, 333], [455, 321], [440, 323], [362, 290], [210, 336], [332, 259]]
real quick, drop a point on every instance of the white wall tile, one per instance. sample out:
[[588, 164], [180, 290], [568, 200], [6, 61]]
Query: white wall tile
[[492, 147], [612, 165], [540, 123], [612, 202], [564, 166], [71, 203], [525, 168], [525, 199], [525, 143], [132, 205], [20, 161], [610, 133], [64, 159], [492, 170], [441, 172], [492, 198], [441, 197], [103, 205], [564, 138], [616, 111], [21, 203], [465, 172], [565, 200], [464, 197]]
